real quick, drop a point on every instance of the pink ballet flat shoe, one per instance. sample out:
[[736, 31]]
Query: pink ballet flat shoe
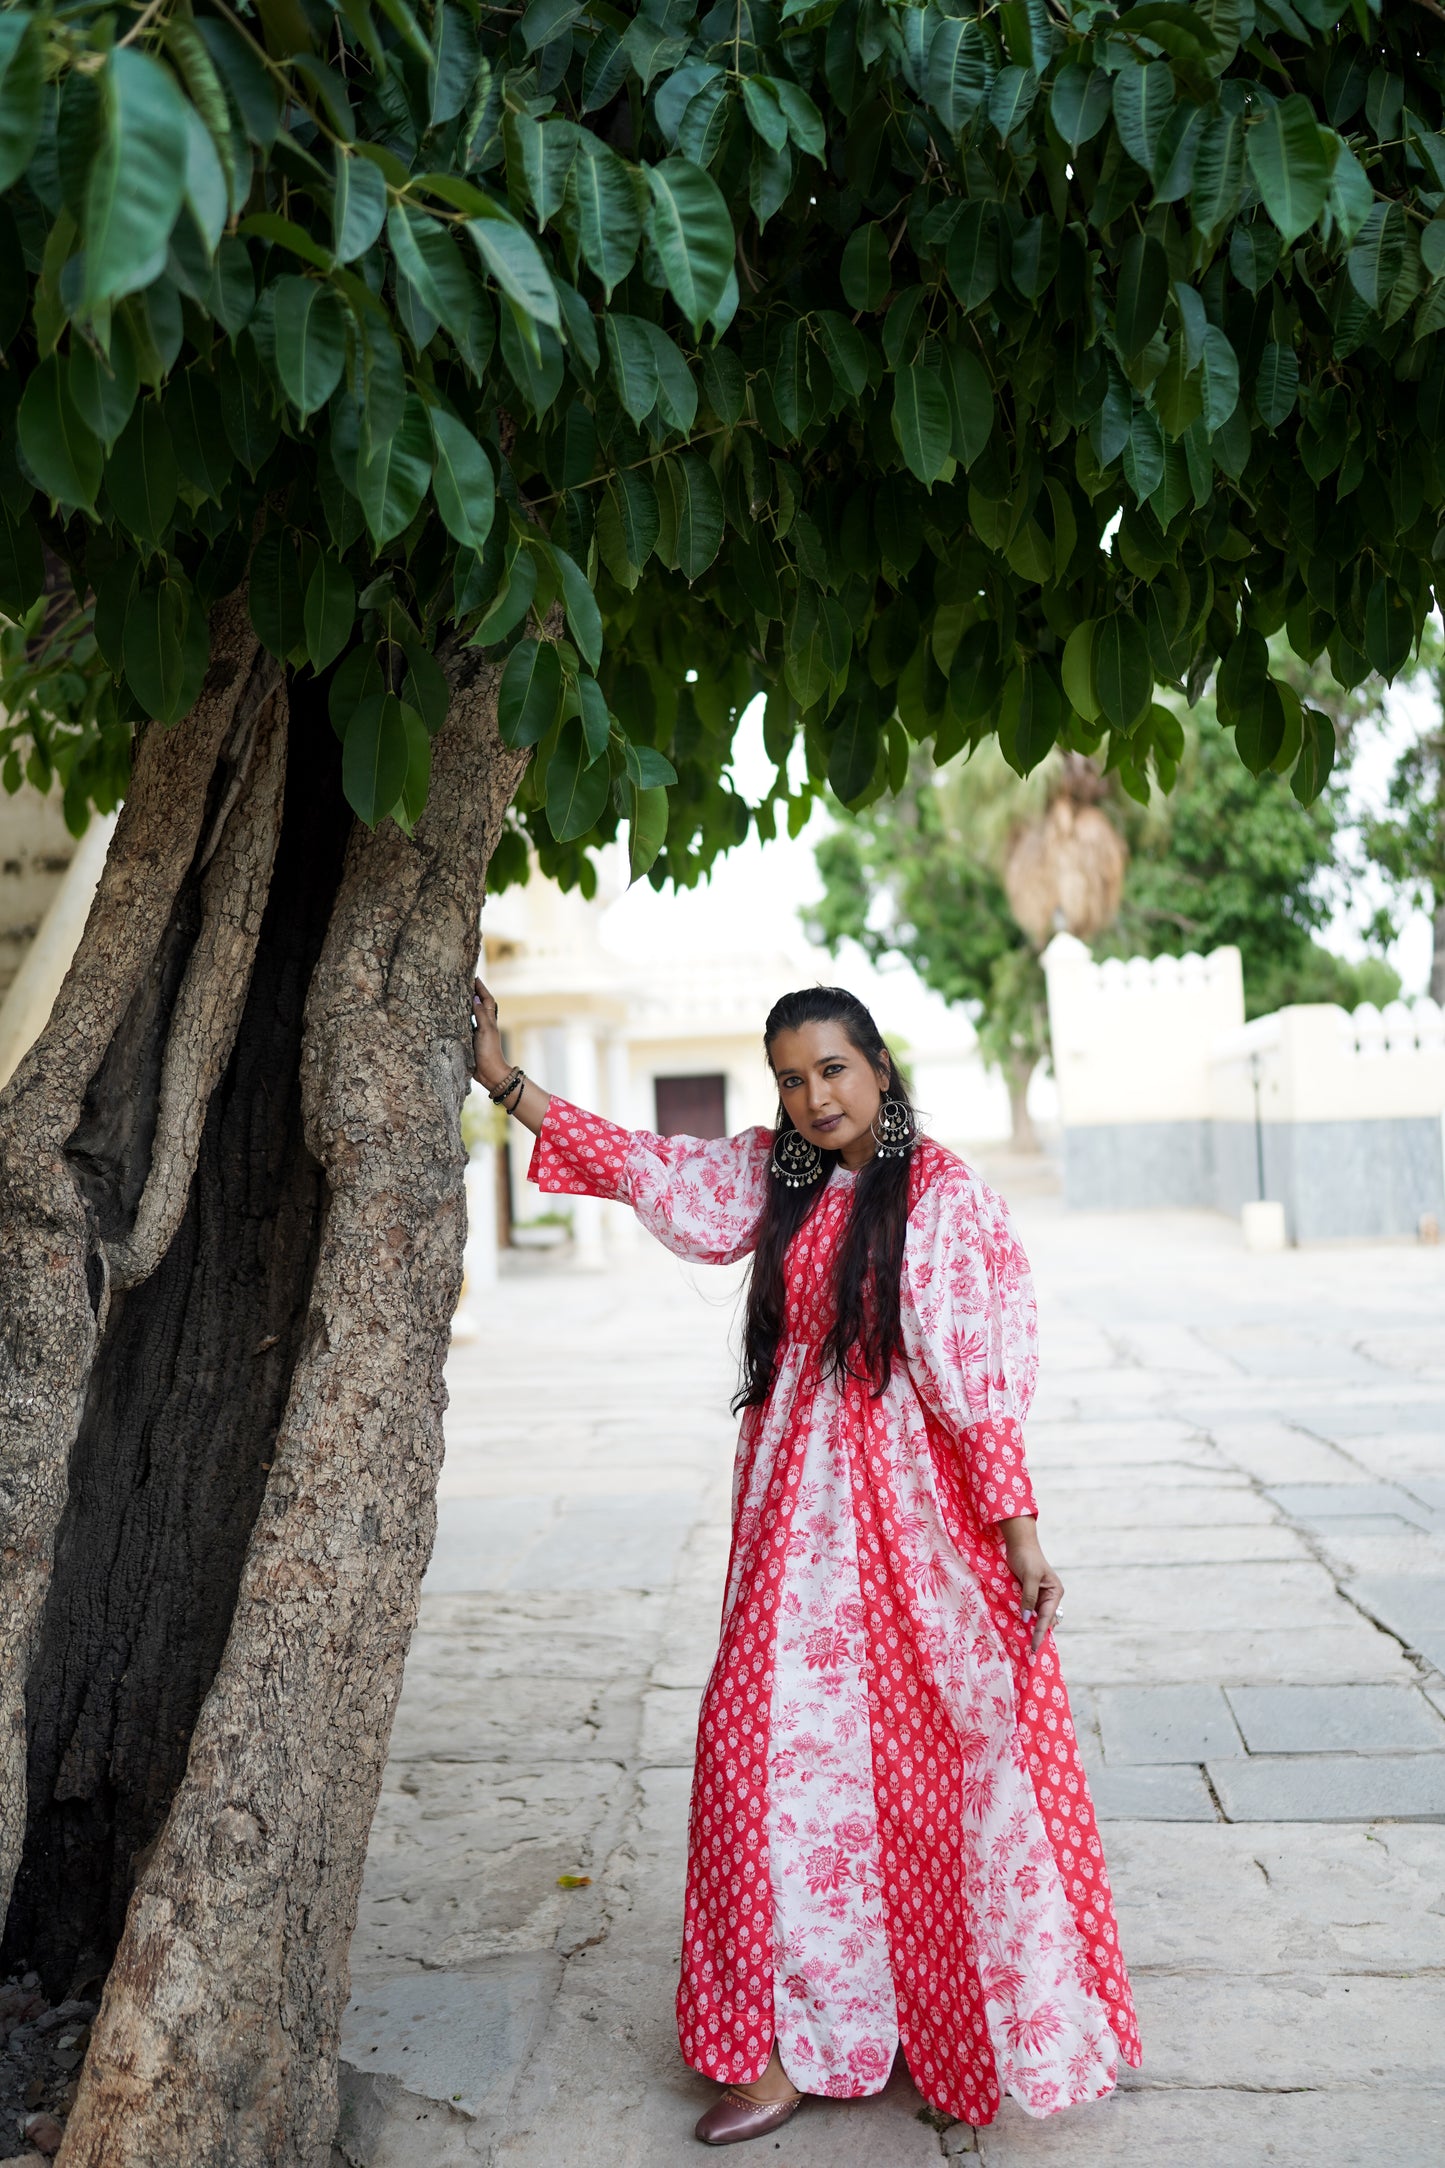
[[733, 2118]]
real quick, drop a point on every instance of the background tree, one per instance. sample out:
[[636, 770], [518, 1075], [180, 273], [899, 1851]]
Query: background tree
[[398, 400]]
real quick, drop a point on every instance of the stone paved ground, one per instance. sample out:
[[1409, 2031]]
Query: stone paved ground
[[1241, 1462]]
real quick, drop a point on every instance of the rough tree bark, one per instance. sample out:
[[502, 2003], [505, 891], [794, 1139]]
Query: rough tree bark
[[311, 1434], [1022, 1135]]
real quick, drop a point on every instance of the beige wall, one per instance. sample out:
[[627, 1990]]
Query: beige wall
[[1318, 1064], [35, 849], [1132, 1041]]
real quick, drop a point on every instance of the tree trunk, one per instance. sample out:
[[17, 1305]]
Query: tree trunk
[[1437, 958], [1023, 1137], [234, 1168]]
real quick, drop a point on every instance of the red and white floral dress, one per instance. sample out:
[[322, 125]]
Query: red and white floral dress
[[891, 1840]]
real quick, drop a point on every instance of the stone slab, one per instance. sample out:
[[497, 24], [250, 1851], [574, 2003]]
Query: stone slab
[[1242, 1899], [1335, 1719], [1174, 1792], [1325, 1502], [1165, 1723], [459, 2037], [1331, 1787], [609, 1631], [1182, 1545], [669, 1727], [630, 1541], [450, 1714], [1332, 2128], [1277, 1452], [1410, 1605], [1322, 1655], [1291, 2032], [1245, 1596], [464, 1858]]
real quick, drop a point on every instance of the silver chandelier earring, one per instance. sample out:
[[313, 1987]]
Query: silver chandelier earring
[[894, 1128], [795, 1162]]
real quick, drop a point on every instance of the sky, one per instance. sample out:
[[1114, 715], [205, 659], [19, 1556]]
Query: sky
[[757, 892]]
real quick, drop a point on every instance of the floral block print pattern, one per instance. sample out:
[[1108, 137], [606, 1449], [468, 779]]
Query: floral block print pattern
[[891, 1840]]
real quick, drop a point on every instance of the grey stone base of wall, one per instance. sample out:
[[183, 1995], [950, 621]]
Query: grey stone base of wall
[[1334, 1179]]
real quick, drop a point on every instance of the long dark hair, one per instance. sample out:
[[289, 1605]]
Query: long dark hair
[[866, 1334]]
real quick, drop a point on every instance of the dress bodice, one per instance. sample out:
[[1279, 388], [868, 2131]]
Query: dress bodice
[[811, 1266]]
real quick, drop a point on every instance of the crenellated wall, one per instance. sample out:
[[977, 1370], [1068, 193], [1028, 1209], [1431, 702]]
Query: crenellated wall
[[1167, 1097]]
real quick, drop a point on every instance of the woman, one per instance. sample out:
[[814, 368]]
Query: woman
[[891, 1840]]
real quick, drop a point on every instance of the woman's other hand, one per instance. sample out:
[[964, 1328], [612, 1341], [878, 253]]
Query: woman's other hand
[[1040, 1588]]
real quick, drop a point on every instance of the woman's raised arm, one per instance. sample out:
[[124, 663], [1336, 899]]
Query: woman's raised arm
[[492, 1069]]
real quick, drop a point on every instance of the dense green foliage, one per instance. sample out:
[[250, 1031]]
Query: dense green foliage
[[810, 347]]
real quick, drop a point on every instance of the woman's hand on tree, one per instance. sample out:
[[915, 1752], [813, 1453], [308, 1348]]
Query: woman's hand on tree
[[1040, 1588], [489, 1063]]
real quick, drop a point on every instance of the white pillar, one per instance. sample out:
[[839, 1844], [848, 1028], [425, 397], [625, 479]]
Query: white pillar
[[526, 1202], [582, 1090]]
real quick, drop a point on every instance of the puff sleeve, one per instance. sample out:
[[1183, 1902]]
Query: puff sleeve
[[701, 1196], [970, 1333]]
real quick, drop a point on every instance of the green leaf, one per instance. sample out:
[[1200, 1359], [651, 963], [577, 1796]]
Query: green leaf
[[609, 216], [310, 321], [528, 695], [1259, 733], [1079, 103], [1010, 101], [976, 677], [462, 480], [1317, 757], [627, 526], [689, 227], [22, 91], [972, 257], [1350, 195], [805, 122], [167, 651], [22, 564], [330, 610], [375, 757], [956, 78], [596, 722], [1243, 675], [137, 177], [104, 388], [853, 753], [61, 452], [511, 602], [514, 260], [1389, 628], [921, 420], [392, 483], [141, 477], [866, 273], [633, 364], [1376, 260], [285, 233], [580, 603], [193, 410], [764, 110], [646, 767], [1218, 378], [278, 615], [1030, 716], [1218, 174], [1291, 158], [425, 686], [1078, 670], [647, 829], [698, 509], [847, 354], [358, 206], [358, 678], [576, 788], [206, 191], [410, 803], [1123, 674], [1143, 101], [1276, 385], [1142, 291]]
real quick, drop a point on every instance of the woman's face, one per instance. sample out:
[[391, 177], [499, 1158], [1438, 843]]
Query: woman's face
[[829, 1089]]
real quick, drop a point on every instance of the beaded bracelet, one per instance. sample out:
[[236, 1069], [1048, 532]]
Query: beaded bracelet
[[511, 1103], [508, 1085]]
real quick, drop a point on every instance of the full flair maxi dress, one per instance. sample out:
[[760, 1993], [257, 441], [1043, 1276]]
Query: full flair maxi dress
[[891, 1841]]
